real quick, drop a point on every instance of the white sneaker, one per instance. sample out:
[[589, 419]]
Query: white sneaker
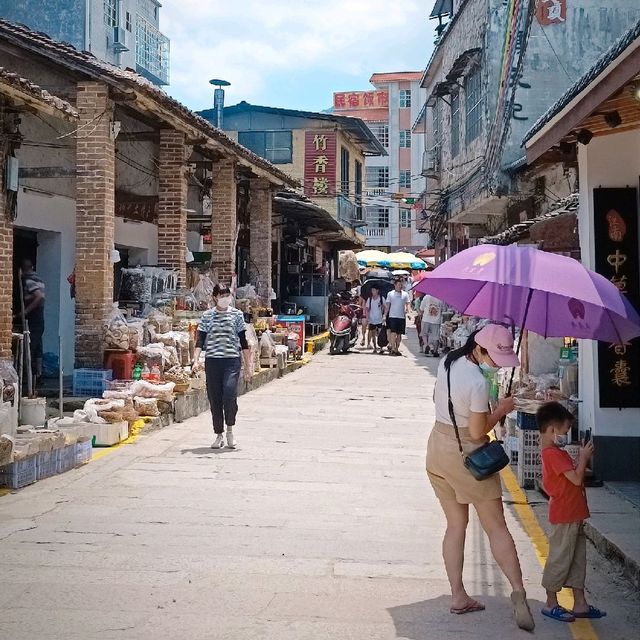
[[230, 440], [218, 443]]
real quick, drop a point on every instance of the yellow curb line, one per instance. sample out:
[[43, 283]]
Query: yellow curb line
[[581, 629]]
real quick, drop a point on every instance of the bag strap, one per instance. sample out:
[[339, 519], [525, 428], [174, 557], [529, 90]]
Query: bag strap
[[452, 414]]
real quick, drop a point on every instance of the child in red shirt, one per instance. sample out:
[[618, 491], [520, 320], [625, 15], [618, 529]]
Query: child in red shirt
[[563, 482]]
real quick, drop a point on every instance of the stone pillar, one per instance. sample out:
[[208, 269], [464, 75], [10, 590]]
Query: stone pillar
[[95, 210], [172, 202], [261, 236], [224, 218], [6, 260]]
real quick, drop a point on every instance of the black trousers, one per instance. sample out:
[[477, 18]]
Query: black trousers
[[222, 389]]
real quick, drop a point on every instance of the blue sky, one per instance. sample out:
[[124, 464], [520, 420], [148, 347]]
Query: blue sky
[[290, 53]]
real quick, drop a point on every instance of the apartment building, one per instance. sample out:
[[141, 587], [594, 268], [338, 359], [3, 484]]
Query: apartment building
[[390, 204], [123, 32]]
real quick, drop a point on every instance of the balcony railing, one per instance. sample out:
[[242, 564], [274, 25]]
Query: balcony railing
[[347, 210], [152, 52], [375, 191], [376, 232]]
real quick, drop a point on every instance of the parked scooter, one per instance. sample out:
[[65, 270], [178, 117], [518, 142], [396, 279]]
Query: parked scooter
[[343, 329]]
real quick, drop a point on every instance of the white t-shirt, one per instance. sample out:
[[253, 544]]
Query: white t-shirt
[[397, 301], [375, 309], [431, 309], [469, 392]]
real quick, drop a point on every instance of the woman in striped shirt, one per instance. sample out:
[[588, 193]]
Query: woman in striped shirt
[[222, 335]]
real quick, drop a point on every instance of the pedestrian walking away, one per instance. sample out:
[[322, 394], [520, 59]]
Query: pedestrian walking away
[[374, 311], [395, 315], [563, 482], [222, 336], [431, 320], [466, 400]]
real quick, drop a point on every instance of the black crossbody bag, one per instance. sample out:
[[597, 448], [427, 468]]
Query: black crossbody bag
[[487, 459]]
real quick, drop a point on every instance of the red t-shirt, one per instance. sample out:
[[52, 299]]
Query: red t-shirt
[[567, 502]]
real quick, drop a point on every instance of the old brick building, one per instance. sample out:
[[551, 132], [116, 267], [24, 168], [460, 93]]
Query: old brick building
[[122, 167]]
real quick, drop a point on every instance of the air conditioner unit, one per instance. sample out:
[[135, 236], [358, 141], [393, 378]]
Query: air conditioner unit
[[430, 163], [120, 40]]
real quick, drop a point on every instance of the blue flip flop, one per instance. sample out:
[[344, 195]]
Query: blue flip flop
[[559, 613], [593, 614]]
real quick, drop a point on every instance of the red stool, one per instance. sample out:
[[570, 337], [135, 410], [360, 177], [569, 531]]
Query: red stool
[[120, 362]]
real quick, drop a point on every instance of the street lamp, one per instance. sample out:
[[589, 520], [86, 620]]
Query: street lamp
[[218, 98]]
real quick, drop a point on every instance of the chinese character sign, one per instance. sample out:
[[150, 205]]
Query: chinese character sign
[[551, 12], [320, 163], [355, 100], [617, 259]]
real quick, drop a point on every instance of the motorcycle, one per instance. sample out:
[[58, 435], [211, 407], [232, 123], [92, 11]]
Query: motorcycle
[[343, 329]]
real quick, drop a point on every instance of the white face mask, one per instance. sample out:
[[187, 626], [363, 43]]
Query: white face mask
[[561, 440], [224, 302]]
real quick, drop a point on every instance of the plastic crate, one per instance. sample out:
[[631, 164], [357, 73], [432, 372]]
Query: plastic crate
[[19, 474], [529, 463], [47, 464], [83, 452], [510, 445], [66, 458], [91, 382], [527, 421]]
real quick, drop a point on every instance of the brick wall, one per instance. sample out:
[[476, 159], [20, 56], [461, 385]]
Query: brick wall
[[224, 220], [95, 194], [6, 261], [172, 202], [261, 233]]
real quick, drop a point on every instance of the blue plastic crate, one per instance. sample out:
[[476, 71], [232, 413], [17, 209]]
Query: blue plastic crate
[[47, 464], [91, 382], [19, 474], [66, 458], [83, 452], [527, 421]]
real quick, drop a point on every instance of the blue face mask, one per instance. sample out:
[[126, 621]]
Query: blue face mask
[[487, 368], [561, 440]]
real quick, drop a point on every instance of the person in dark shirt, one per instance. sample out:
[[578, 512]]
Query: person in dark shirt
[[34, 298]]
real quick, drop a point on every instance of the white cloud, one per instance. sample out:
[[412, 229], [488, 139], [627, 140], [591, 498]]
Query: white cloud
[[256, 44]]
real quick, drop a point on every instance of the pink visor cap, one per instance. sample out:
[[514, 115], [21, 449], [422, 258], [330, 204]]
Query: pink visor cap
[[498, 341]]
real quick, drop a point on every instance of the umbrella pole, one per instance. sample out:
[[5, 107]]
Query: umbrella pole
[[524, 320]]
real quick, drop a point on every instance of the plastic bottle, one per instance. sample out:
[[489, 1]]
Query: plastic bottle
[[137, 372], [155, 373], [146, 373]]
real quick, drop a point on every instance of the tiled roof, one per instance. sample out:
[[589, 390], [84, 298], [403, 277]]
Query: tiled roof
[[518, 231], [24, 86], [68, 56], [614, 52]]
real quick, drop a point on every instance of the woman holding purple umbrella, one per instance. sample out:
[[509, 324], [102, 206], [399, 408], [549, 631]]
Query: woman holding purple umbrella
[[462, 398]]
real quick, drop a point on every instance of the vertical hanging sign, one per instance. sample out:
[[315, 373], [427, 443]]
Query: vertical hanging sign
[[320, 163], [617, 258]]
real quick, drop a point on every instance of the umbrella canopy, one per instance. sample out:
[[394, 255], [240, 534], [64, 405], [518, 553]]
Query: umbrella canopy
[[380, 274], [370, 257], [383, 285], [400, 272], [402, 260], [549, 294]]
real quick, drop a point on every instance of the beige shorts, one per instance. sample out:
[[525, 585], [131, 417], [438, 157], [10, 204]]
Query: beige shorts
[[450, 479], [567, 562]]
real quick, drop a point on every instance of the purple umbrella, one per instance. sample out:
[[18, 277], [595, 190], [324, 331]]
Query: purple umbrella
[[549, 294]]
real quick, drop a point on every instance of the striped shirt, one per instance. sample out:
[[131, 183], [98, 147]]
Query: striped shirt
[[222, 329]]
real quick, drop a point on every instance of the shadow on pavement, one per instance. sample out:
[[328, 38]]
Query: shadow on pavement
[[430, 619], [206, 451]]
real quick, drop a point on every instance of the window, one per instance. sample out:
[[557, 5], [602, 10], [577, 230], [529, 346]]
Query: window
[[110, 12], [455, 124], [405, 139], [473, 102], [128, 24], [378, 217], [377, 177], [275, 146], [358, 189], [405, 218], [405, 178], [405, 98], [344, 171], [381, 131]]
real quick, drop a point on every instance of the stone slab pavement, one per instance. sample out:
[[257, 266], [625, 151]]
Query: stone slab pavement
[[320, 525]]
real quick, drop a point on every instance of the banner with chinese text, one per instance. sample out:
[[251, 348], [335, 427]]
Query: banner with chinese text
[[320, 163], [617, 258], [343, 101]]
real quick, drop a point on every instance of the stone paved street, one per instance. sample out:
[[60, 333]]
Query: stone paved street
[[321, 525]]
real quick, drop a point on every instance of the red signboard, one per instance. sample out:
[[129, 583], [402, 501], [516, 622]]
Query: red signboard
[[320, 163], [356, 100], [551, 12]]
